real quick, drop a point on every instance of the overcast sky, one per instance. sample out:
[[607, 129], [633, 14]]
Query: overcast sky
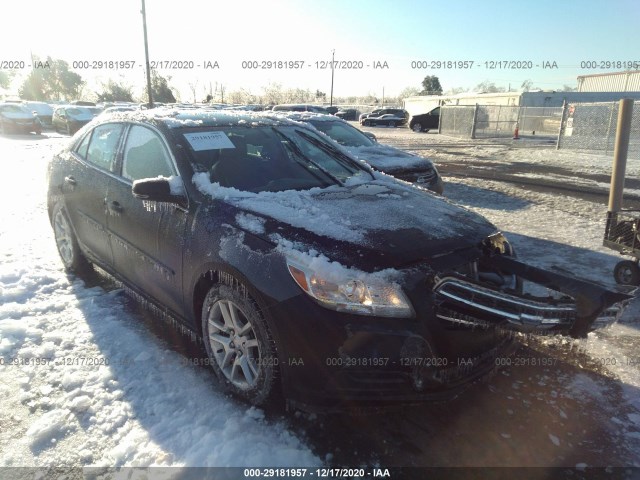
[[372, 32]]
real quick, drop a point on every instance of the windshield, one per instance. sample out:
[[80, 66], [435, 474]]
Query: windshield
[[267, 158], [343, 133]]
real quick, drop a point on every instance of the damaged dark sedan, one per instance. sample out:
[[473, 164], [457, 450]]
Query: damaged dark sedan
[[308, 276]]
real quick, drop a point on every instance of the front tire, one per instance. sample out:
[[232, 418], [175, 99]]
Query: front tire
[[417, 127], [68, 248], [627, 272], [239, 344]]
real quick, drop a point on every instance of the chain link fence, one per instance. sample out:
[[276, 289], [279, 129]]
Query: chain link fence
[[457, 120], [499, 121], [593, 127]]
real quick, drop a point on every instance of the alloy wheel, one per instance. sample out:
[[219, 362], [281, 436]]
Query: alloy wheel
[[64, 240], [234, 344]]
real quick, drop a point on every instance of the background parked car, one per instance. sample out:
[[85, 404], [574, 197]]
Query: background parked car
[[388, 119], [390, 160], [296, 107], [69, 119], [399, 112], [425, 121], [43, 111], [14, 118]]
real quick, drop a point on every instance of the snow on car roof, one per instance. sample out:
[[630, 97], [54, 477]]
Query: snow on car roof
[[177, 118]]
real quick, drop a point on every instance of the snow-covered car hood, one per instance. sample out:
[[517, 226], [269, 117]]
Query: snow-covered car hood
[[389, 159], [396, 222]]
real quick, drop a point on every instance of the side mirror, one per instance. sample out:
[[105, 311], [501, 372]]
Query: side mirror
[[158, 190], [371, 136]]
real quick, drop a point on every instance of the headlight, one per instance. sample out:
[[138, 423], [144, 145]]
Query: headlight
[[350, 291], [498, 244]]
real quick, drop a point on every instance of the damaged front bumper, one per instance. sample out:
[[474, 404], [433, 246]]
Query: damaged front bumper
[[584, 306]]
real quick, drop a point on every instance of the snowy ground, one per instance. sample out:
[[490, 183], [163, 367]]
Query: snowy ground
[[564, 403]]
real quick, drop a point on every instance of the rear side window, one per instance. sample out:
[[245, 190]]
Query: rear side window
[[145, 155], [103, 145]]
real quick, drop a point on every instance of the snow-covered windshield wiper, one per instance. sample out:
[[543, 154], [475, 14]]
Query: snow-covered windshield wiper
[[347, 162], [304, 160]]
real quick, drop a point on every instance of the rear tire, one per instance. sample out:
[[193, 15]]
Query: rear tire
[[239, 344], [68, 248]]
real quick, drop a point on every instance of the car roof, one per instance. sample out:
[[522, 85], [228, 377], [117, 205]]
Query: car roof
[[177, 118]]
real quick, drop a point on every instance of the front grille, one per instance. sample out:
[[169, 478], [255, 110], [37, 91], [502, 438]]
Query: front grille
[[459, 301]]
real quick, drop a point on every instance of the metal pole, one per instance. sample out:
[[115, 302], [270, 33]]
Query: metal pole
[[473, 123], [620, 151], [146, 54], [563, 119], [611, 109], [333, 56]]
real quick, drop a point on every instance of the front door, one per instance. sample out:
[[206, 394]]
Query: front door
[[146, 238]]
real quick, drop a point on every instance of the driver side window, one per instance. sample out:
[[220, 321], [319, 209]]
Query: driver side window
[[145, 155]]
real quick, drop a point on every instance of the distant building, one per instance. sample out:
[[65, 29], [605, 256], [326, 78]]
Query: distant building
[[610, 82], [423, 104]]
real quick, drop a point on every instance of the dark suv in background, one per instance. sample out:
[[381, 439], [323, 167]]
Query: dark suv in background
[[347, 114], [425, 121]]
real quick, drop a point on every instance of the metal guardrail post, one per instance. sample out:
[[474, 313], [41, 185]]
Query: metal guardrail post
[[609, 125], [620, 151], [563, 119], [473, 123]]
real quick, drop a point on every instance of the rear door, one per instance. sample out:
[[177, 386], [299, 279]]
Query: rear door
[[87, 175]]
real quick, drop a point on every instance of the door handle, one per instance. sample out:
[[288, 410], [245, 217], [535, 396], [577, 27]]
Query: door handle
[[70, 180], [115, 207]]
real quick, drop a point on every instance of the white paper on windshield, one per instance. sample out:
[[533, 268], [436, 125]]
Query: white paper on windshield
[[208, 140]]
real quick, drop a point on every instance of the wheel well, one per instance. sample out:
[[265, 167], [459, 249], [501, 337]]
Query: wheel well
[[202, 287], [214, 277]]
